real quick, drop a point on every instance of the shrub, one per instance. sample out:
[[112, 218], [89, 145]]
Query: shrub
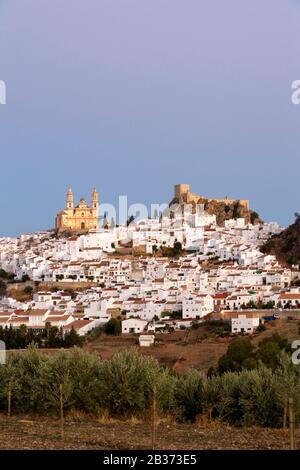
[[85, 373], [128, 381], [25, 371], [241, 355], [228, 406], [269, 350], [124, 385], [261, 327], [211, 394], [189, 391], [95, 333], [113, 327], [239, 350], [56, 372], [258, 398], [28, 290]]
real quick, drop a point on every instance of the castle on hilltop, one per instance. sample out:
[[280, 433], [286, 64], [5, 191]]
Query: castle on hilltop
[[79, 219], [223, 209], [183, 195]]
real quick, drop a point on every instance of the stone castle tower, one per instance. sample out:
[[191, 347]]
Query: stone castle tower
[[79, 219], [183, 194]]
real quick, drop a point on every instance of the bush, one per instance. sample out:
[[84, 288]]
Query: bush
[[124, 385], [189, 391], [258, 399], [261, 327], [26, 373], [95, 333], [253, 217], [85, 375], [128, 381], [241, 355], [28, 290], [113, 327], [211, 394], [269, 350], [239, 350], [228, 407]]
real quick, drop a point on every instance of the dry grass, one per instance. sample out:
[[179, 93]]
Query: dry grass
[[173, 351], [286, 328], [19, 294], [181, 351]]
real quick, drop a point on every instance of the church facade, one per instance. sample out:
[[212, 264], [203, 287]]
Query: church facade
[[80, 218]]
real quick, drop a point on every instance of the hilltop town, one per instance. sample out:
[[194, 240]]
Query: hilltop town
[[155, 274]]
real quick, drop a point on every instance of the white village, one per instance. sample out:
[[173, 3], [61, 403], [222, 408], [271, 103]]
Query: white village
[[218, 272]]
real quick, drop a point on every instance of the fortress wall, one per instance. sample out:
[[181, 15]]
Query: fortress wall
[[183, 194]]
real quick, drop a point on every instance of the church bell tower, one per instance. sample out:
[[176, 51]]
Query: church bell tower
[[70, 199], [95, 200]]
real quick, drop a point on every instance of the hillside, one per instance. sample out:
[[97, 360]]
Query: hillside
[[286, 245], [181, 350]]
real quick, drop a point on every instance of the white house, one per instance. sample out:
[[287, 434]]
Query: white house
[[197, 306], [82, 327], [133, 325], [242, 322], [42, 297], [290, 298], [36, 317]]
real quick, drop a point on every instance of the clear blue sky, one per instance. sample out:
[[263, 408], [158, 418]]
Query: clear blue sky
[[134, 96]]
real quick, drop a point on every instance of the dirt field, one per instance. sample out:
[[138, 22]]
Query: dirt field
[[184, 349], [32, 433], [176, 350]]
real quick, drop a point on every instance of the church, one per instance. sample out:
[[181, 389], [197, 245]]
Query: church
[[79, 219]]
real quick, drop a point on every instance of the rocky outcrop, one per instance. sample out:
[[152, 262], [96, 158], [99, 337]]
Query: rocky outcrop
[[228, 211], [224, 210]]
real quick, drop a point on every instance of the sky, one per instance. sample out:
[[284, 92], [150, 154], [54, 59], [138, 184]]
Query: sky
[[135, 96]]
